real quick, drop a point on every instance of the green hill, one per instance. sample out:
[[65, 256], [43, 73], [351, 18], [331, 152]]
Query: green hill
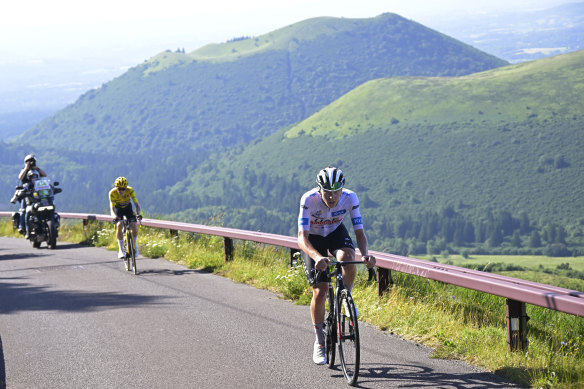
[[540, 91], [504, 143], [229, 94], [163, 118]]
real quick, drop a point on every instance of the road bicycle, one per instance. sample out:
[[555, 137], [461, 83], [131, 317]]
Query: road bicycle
[[128, 237], [341, 325]]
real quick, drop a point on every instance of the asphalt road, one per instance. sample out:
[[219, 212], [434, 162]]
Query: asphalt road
[[73, 318]]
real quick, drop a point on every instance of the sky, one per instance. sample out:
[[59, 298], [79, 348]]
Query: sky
[[68, 28], [53, 51]]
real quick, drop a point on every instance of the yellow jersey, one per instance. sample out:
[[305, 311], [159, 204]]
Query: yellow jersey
[[122, 201]]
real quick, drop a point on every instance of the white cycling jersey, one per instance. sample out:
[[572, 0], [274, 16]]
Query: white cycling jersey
[[319, 219]]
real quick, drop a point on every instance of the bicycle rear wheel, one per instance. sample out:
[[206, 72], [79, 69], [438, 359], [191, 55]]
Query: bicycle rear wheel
[[348, 338], [330, 330]]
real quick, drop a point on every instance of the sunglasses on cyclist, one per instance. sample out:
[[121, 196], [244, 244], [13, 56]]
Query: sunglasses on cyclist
[[332, 188]]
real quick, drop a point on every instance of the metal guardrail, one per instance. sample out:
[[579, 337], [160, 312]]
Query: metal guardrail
[[517, 292]]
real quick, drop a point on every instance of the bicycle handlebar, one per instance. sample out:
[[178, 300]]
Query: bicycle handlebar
[[371, 271], [119, 219], [343, 263]]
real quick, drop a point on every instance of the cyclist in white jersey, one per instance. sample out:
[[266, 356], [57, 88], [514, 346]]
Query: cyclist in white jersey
[[320, 232]]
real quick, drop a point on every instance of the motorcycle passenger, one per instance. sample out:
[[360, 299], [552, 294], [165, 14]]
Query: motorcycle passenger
[[121, 198], [29, 167], [28, 188]]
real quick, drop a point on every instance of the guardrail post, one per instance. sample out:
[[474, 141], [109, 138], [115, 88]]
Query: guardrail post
[[228, 246], [384, 280], [86, 223], [516, 325], [294, 256]]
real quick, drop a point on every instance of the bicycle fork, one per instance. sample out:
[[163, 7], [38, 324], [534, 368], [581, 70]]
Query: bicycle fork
[[342, 335]]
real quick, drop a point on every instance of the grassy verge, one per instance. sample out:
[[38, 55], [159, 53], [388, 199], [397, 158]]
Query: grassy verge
[[456, 322]]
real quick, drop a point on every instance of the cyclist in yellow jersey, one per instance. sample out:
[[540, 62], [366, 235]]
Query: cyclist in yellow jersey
[[121, 198]]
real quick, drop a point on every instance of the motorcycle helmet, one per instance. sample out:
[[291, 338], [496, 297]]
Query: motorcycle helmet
[[330, 179], [121, 182]]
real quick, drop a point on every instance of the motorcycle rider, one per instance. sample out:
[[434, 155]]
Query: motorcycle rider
[[29, 166]]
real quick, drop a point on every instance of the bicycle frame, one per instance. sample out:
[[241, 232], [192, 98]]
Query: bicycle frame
[[129, 241], [337, 325], [337, 273]]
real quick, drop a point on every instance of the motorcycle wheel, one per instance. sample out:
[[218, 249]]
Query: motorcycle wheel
[[52, 231], [15, 220]]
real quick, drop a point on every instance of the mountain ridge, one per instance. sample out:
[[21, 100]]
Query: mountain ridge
[[200, 103]]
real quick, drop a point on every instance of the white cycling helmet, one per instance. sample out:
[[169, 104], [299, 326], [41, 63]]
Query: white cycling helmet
[[330, 178]]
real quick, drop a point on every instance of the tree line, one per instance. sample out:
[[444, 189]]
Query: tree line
[[258, 201], [495, 232]]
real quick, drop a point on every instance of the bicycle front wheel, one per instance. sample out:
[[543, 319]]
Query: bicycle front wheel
[[130, 253], [348, 337], [330, 330], [133, 260]]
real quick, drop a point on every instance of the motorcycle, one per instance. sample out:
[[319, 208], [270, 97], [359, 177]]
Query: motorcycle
[[41, 218]]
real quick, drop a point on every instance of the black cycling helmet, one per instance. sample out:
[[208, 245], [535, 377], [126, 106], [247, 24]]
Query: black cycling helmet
[[32, 174], [330, 178]]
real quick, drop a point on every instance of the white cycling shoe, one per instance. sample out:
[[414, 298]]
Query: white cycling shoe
[[121, 254], [319, 354]]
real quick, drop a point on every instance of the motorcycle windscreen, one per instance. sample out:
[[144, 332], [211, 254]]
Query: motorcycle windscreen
[[43, 187]]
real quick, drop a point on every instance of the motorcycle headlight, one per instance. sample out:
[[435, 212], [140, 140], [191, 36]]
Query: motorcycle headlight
[[46, 208]]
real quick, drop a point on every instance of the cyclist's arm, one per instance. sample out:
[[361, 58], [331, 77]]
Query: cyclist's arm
[[320, 262], [113, 210], [135, 201], [363, 245], [138, 209], [112, 203]]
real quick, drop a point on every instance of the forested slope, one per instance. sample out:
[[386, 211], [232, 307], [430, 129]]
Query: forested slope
[[470, 160]]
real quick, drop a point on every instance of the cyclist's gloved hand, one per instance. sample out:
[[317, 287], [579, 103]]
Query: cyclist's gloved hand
[[369, 261], [139, 217], [321, 263], [115, 220]]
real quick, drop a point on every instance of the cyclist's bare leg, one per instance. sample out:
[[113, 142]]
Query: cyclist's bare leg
[[119, 234], [317, 310], [134, 227], [317, 305], [120, 238], [349, 271]]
